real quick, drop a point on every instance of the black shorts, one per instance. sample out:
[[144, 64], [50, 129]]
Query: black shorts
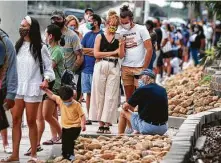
[[168, 54], [50, 87], [160, 59], [3, 118]]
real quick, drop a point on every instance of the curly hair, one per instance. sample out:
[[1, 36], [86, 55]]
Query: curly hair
[[126, 12], [113, 18]]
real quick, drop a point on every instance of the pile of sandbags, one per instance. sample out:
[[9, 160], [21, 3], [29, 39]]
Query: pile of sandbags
[[187, 95]]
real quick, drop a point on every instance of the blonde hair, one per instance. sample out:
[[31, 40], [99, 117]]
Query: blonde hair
[[113, 18], [70, 18]]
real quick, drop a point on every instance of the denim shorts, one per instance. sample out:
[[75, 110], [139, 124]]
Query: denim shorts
[[86, 82], [145, 128]]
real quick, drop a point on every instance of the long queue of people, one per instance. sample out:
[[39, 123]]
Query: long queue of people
[[31, 76]]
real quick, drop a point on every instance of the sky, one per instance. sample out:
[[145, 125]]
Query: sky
[[162, 3]]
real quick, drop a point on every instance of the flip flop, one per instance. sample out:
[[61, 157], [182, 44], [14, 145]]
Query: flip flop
[[8, 160], [48, 142], [28, 153], [58, 141]]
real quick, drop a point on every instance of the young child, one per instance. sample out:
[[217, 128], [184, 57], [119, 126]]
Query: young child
[[72, 119]]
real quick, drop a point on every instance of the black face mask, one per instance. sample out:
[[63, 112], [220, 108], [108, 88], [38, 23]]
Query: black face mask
[[59, 24], [23, 32]]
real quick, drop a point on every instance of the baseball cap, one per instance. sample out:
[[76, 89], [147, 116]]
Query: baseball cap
[[58, 14], [89, 9], [148, 72]]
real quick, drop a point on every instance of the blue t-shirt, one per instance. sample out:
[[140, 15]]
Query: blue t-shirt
[[152, 103], [89, 61]]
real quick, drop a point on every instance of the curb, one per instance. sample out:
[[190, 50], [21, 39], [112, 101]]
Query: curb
[[185, 139]]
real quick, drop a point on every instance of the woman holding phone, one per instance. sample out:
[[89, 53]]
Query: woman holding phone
[[106, 78]]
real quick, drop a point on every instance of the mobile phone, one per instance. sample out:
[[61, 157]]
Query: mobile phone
[[5, 106], [117, 36]]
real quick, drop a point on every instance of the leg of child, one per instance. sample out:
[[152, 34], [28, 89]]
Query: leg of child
[[68, 140]]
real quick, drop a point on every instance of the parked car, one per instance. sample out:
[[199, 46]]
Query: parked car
[[76, 12]]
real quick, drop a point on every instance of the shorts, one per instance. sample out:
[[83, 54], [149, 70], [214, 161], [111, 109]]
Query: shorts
[[30, 99], [145, 128], [128, 75], [86, 82], [168, 54]]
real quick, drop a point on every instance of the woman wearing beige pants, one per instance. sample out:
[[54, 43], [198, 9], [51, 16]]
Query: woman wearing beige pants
[[106, 78]]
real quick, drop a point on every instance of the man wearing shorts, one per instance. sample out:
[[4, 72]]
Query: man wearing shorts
[[138, 50], [152, 103]]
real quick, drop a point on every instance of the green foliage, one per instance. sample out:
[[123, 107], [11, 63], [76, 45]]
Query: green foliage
[[209, 57], [205, 80]]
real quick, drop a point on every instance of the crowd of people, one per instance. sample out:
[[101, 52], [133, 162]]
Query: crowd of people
[[101, 56]]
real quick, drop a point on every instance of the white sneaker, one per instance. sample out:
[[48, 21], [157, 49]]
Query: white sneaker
[[7, 149]]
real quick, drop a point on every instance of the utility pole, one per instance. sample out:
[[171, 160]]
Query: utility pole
[[146, 10]]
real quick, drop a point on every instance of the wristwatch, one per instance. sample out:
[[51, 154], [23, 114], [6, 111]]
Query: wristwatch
[[47, 78]]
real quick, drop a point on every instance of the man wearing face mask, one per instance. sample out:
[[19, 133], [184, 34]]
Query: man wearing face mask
[[85, 27], [72, 48], [138, 49], [152, 103], [89, 59]]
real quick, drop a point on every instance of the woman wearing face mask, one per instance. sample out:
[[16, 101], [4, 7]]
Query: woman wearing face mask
[[106, 78], [72, 23], [34, 68], [47, 109]]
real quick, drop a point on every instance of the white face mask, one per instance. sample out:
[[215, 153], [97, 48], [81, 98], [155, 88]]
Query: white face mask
[[126, 26]]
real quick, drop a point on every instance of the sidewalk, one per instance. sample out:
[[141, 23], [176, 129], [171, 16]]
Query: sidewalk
[[47, 152]]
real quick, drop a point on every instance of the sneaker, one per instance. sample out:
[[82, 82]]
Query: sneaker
[[71, 158], [129, 131], [7, 149]]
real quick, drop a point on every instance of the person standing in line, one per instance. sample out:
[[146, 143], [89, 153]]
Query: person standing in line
[[106, 78], [159, 56], [8, 82], [138, 49], [89, 59], [150, 25], [72, 49], [85, 26], [34, 68], [72, 23], [47, 109]]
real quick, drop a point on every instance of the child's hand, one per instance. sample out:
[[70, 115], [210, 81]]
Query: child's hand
[[83, 127]]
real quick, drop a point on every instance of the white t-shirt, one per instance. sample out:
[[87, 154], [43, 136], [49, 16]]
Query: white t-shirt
[[168, 46], [83, 29], [135, 50]]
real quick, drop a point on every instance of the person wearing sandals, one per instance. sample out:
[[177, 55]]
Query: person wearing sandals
[[8, 84], [106, 78], [72, 119], [152, 102], [48, 107], [89, 59], [34, 67]]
